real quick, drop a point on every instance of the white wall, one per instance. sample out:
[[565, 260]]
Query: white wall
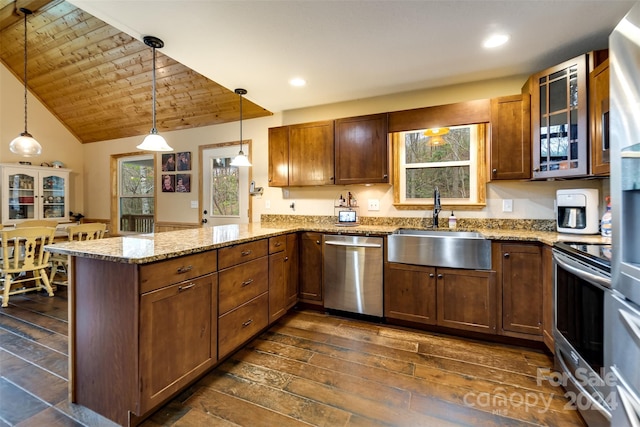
[[91, 175], [57, 142]]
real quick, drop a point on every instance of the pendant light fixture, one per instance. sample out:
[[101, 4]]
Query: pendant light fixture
[[240, 159], [25, 144], [154, 141]]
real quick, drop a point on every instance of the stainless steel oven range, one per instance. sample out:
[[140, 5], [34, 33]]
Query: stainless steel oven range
[[582, 280]]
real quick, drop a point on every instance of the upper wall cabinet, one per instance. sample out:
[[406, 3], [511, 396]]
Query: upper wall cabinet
[[559, 120], [599, 118], [301, 155], [362, 150], [510, 145]]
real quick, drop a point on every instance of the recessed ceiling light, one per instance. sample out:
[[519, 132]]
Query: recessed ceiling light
[[495, 40], [297, 82]]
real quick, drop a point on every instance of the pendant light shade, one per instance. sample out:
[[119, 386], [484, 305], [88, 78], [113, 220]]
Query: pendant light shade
[[154, 141], [240, 159], [25, 145]]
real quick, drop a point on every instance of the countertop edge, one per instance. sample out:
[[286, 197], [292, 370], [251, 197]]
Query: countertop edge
[[148, 248]]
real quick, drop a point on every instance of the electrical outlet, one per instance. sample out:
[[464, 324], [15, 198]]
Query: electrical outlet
[[374, 204], [194, 204], [507, 205], [267, 204]]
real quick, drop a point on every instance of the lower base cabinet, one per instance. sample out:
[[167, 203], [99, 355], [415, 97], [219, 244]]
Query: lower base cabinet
[[179, 323], [310, 290], [520, 268], [453, 298], [242, 323], [547, 298]]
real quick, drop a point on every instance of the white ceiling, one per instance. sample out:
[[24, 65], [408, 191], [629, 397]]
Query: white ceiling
[[358, 49]]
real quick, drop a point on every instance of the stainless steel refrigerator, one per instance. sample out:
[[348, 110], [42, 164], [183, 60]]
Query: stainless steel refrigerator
[[622, 306]]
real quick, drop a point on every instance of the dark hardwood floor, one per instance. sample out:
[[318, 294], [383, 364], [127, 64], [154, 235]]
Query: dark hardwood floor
[[310, 369]]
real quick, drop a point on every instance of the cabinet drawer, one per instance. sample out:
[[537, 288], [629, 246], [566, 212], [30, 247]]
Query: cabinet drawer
[[243, 282], [277, 244], [163, 273], [233, 255], [237, 326]]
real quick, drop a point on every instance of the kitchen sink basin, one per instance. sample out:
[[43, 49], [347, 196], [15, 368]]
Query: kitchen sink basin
[[435, 248]]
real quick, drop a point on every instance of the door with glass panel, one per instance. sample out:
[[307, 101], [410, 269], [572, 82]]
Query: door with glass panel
[[225, 188], [136, 194]]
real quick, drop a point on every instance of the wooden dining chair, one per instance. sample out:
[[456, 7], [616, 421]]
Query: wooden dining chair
[[29, 263], [37, 223], [89, 231]]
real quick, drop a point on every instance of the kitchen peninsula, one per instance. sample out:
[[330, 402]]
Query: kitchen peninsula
[[149, 314]]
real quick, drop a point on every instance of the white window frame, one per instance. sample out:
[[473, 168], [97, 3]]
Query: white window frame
[[477, 173]]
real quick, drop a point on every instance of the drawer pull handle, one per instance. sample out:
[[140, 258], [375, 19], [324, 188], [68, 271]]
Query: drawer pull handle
[[247, 282], [278, 244], [186, 287], [247, 323], [245, 253], [186, 269]]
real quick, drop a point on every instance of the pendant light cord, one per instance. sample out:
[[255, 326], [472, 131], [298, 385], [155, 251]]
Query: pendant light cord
[[25, 69], [153, 78], [240, 122]]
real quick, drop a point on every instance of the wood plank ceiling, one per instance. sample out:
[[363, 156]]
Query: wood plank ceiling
[[97, 80]]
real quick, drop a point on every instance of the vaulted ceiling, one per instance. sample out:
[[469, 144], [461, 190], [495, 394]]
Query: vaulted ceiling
[[97, 80]]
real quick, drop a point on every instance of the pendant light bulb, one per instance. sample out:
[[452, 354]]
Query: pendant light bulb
[[154, 141], [241, 159], [25, 145]]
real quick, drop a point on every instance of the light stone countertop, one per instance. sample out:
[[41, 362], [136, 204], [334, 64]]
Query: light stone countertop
[[146, 248]]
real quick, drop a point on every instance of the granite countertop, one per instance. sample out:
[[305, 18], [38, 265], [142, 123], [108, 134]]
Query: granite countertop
[[146, 248]]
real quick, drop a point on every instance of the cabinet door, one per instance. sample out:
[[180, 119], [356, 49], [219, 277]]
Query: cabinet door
[[311, 273], [362, 153], [277, 286], [278, 156], [54, 195], [510, 137], [547, 297], [521, 288], [599, 118], [559, 120], [292, 269], [311, 154], [467, 299], [410, 293], [20, 197], [178, 338]]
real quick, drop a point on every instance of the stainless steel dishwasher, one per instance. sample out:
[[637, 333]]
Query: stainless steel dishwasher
[[353, 274]]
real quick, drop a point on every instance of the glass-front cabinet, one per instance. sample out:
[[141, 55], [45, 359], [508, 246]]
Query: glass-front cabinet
[[559, 116], [33, 192]]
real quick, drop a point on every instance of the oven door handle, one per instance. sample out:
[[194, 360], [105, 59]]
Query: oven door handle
[[567, 265], [592, 399]]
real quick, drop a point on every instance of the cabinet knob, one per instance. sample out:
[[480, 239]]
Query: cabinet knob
[[494, 171], [286, 258], [439, 276], [432, 275], [270, 179], [385, 176], [506, 255], [318, 242]]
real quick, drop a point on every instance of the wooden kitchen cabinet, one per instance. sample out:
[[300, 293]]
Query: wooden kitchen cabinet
[[178, 337], [362, 150], [520, 271], [559, 116], [278, 157], [510, 146], [547, 297], [283, 274], [311, 273], [466, 299], [410, 293], [308, 149], [146, 331], [452, 298], [243, 299], [599, 118]]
